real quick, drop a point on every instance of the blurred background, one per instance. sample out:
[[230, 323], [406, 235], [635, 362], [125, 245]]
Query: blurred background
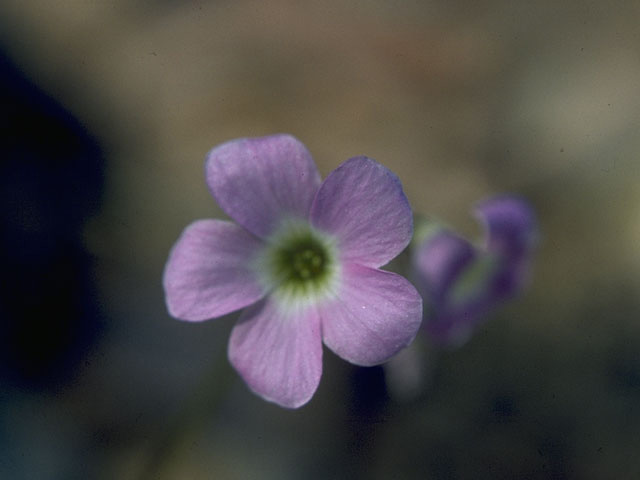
[[108, 109]]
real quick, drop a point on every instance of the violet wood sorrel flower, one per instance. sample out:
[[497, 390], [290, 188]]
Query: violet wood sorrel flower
[[460, 282], [304, 257]]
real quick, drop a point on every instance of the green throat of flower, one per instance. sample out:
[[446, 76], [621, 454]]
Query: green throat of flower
[[300, 262], [303, 260]]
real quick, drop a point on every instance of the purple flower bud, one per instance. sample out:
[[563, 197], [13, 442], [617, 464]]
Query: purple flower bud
[[460, 282]]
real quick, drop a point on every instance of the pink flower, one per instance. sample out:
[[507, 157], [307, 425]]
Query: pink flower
[[303, 257]]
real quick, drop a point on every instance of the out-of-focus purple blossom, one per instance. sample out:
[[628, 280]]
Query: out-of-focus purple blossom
[[461, 282], [303, 257]]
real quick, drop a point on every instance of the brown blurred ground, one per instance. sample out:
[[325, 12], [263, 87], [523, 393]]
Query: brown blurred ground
[[461, 100]]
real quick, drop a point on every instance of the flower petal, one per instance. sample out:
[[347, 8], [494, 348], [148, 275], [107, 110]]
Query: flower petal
[[511, 235], [510, 225], [439, 261], [376, 314], [208, 272], [278, 352], [363, 205], [456, 281], [260, 181]]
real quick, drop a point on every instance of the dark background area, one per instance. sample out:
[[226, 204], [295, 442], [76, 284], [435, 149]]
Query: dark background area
[[51, 175], [107, 109]]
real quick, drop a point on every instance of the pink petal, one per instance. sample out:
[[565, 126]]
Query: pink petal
[[278, 352], [363, 204], [208, 273], [260, 181], [376, 315]]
